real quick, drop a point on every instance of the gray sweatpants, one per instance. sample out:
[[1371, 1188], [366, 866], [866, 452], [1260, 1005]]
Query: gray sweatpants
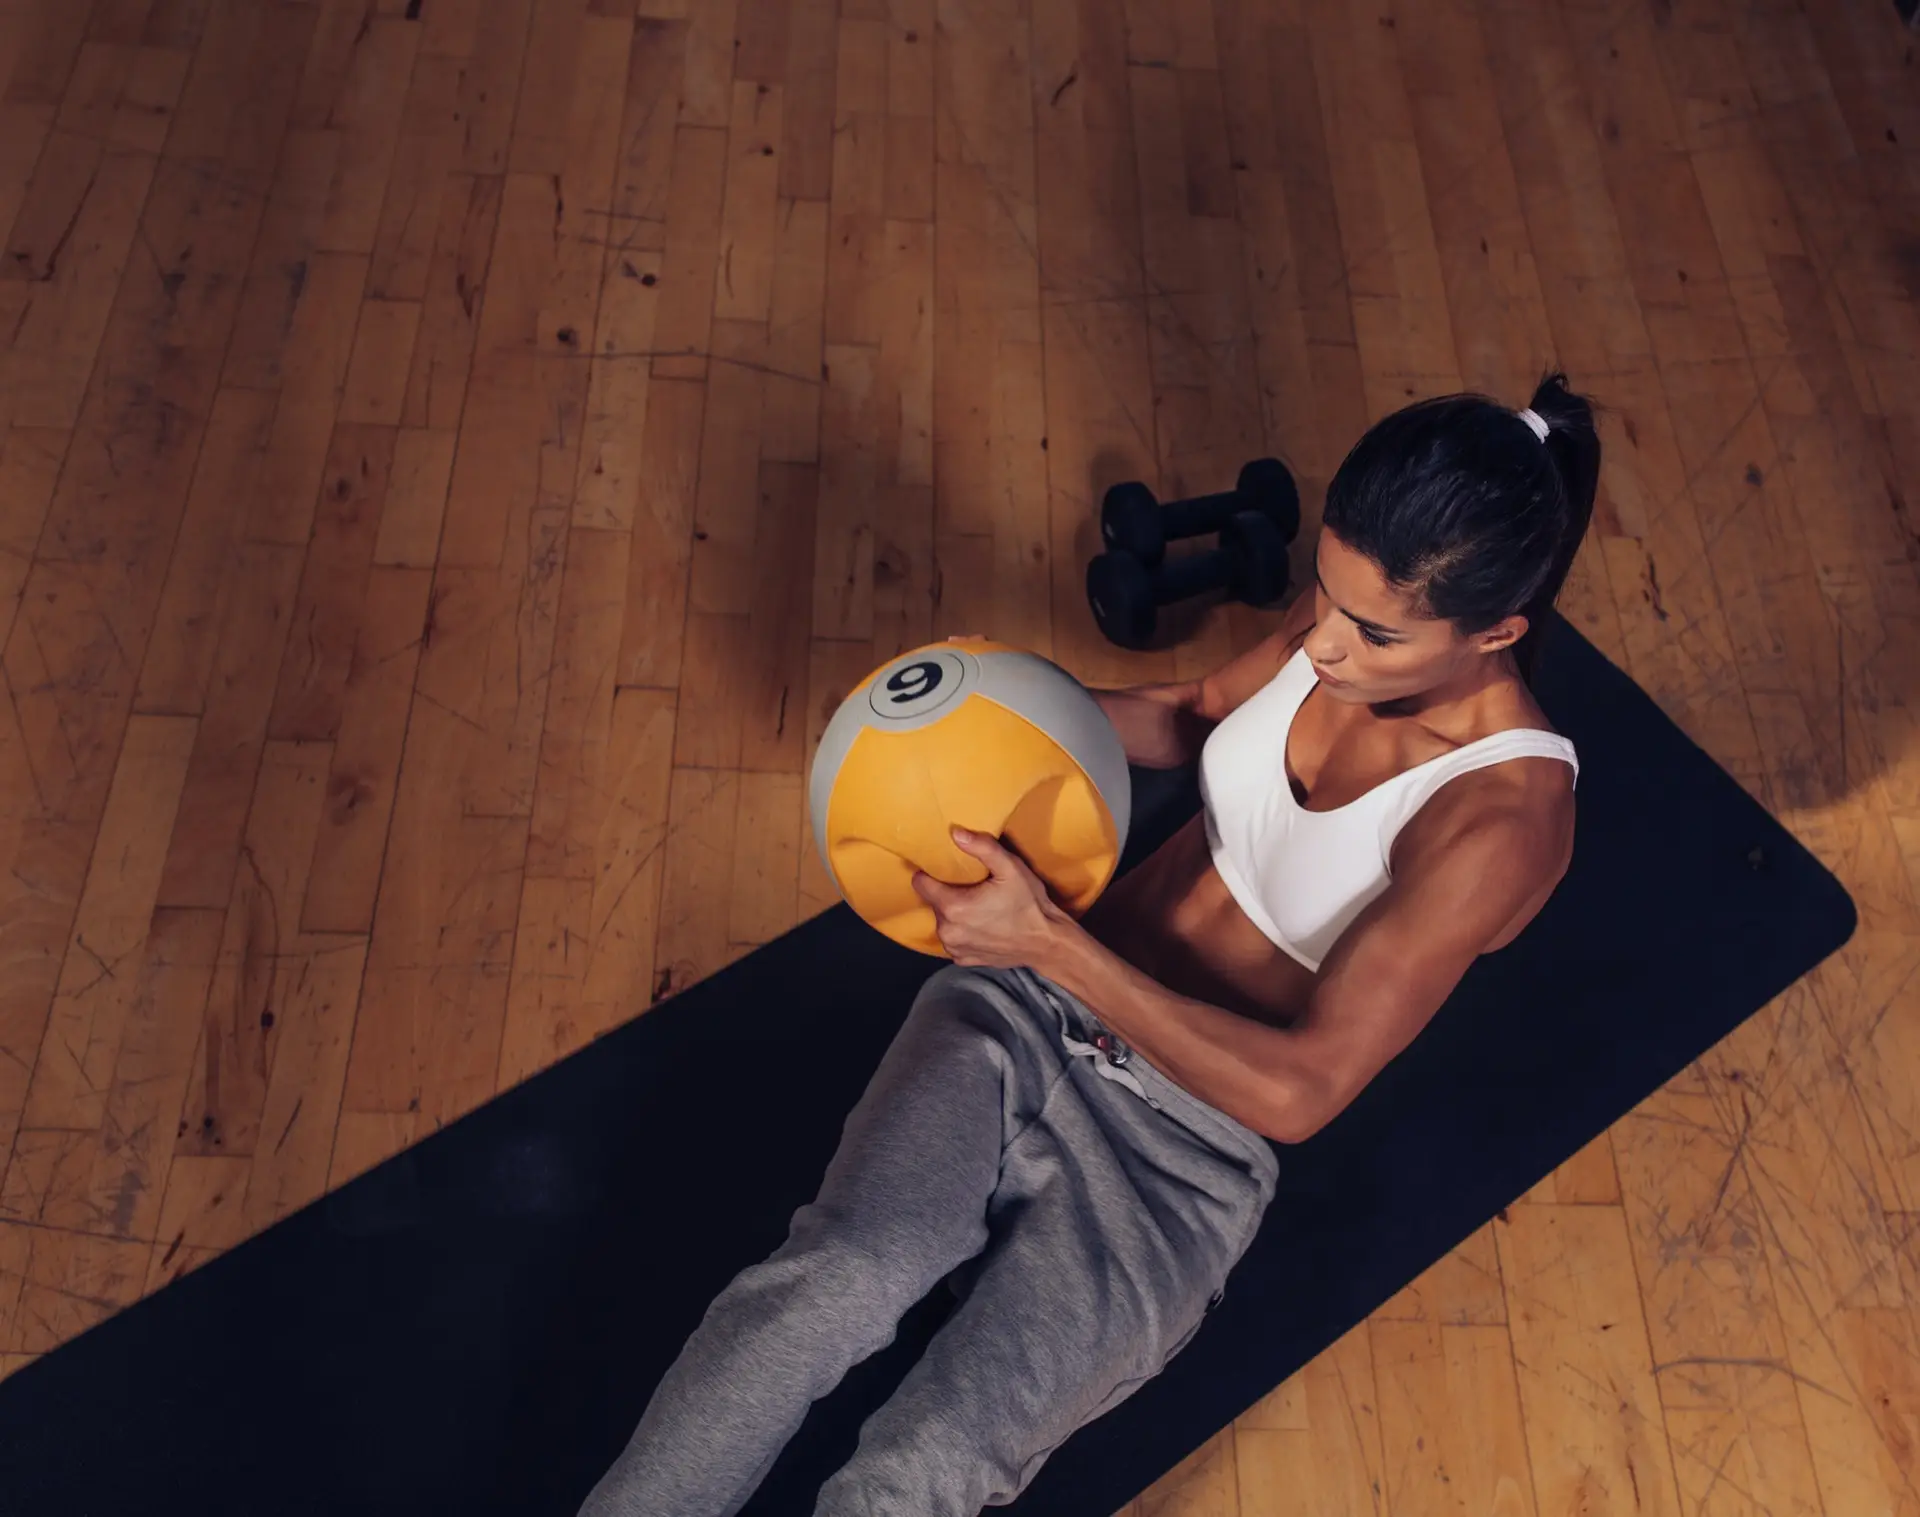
[[1084, 1208]]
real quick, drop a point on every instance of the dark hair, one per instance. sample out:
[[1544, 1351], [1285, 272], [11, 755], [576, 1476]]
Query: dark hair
[[1457, 499]]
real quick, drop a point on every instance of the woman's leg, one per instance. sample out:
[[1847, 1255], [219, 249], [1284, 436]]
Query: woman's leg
[[903, 1202], [1114, 1227]]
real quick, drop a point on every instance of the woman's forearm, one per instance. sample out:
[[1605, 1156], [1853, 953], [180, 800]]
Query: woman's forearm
[[1237, 1065], [1160, 726]]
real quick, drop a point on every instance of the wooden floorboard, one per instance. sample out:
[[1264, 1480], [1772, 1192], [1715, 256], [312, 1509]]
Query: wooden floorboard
[[454, 456]]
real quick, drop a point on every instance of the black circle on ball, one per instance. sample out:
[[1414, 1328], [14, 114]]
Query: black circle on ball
[[914, 681]]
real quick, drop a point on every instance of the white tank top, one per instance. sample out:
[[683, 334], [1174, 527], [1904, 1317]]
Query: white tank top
[[1302, 876]]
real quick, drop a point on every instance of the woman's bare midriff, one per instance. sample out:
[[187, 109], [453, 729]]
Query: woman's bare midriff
[[1173, 919]]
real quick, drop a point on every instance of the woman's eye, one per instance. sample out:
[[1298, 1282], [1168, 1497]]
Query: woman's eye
[[1375, 638]]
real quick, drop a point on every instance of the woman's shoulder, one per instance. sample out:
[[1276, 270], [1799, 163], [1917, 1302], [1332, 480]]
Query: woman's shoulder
[[1230, 686], [1515, 818], [1527, 795]]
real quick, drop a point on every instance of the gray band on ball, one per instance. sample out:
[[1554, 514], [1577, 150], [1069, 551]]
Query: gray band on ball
[[1029, 686]]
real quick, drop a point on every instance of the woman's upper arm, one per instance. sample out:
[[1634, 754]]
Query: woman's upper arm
[[1474, 870], [1223, 691]]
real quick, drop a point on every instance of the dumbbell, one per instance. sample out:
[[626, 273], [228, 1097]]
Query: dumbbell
[[1132, 521], [1126, 595]]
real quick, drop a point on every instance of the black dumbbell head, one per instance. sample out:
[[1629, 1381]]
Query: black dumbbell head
[[1266, 485], [1120, 590], [1130, 522], [1258, 557]]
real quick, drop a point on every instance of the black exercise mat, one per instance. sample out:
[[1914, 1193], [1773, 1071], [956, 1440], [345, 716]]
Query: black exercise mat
[[474, 1326]]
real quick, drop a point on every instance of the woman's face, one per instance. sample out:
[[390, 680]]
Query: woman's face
[[1370, 644]]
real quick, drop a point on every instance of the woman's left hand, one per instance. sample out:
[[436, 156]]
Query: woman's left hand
[[1007, 921]]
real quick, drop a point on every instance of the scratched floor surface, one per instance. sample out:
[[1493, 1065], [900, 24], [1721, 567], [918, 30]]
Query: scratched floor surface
[[457, 452]]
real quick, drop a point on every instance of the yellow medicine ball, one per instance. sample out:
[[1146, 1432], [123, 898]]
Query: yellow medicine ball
[[966, 734]]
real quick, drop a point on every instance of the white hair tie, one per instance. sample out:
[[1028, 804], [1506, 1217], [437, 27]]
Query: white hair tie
[[1536, 421]]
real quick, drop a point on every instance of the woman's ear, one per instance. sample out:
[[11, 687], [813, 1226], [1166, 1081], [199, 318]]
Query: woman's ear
[[1502, 634]]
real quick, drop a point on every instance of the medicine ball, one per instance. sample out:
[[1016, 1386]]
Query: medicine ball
[[968, 734]]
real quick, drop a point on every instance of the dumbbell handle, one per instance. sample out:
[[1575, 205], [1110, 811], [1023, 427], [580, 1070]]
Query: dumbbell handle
[[1203, 513], [1191, 574]]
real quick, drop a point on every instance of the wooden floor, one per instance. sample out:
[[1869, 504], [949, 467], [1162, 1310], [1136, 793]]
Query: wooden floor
[[458, 451]]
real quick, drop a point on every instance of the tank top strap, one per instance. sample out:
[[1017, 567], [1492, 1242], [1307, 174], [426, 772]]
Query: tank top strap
[[1417, 786], [1517, 742]]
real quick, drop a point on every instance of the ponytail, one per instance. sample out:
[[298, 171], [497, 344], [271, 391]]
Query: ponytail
[[1573, 446]]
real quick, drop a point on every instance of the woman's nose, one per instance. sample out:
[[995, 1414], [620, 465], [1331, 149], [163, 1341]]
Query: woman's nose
[[1322, 647]]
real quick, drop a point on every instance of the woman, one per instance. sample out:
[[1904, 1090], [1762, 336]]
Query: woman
[[1072, 1128]]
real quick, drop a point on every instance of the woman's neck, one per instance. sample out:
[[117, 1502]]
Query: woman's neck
[[1461, 701]]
